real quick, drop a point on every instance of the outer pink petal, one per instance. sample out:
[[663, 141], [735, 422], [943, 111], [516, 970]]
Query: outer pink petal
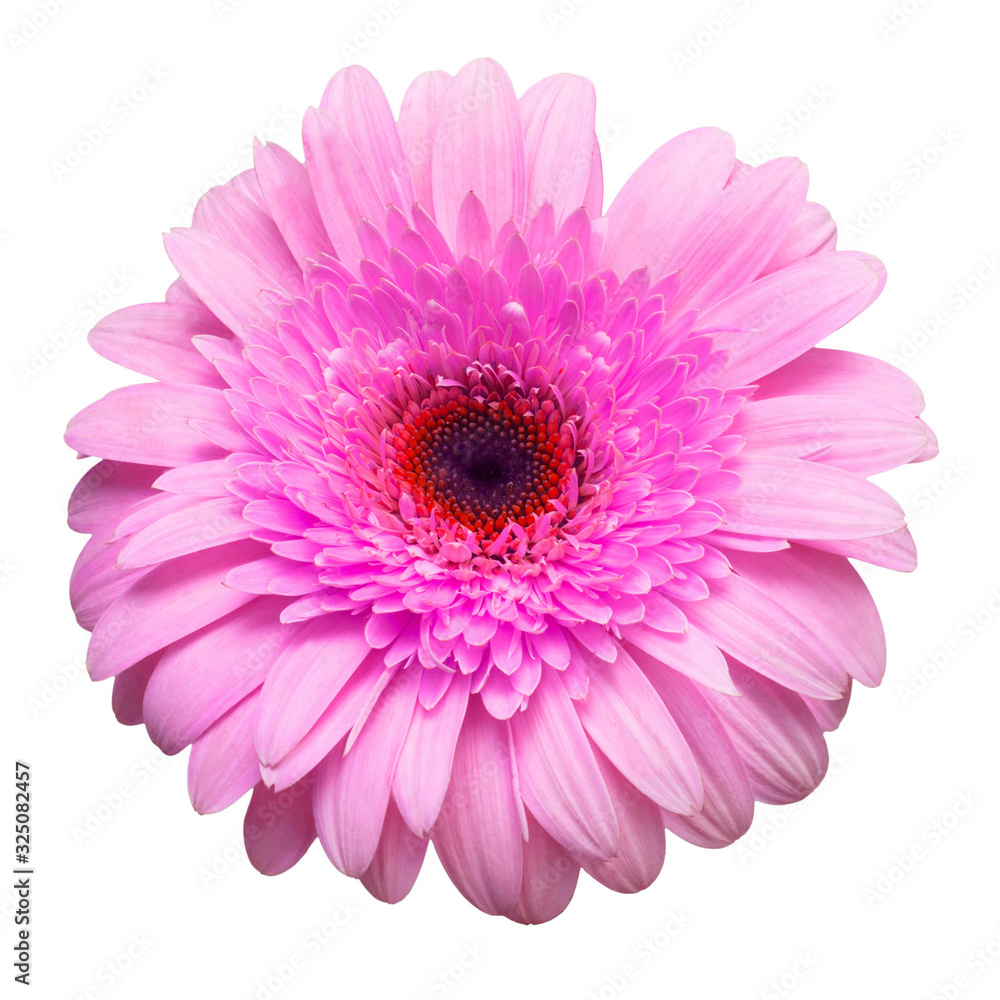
[[278, 827], [728, 809], [823, 371], [155, 339], [128, 690], [858, 434], [893, 550], [352, 788], [150, 424], [107, 491], [424, 767], [813, 232], [356, 101], [557, 116], [627, 719], [340, 180], [548, 878], [691, 652], [641, 844], [417, 121], [777, 318], [775, 734], [284, 182], [306, 676], [397, 859], [477, 835], [559, 778], [793, 498], [223, 765], [479, 147], [826, 593], [656, 211], [202, 676], [733, 240], [751, 623], [168, 603], [227, 281]]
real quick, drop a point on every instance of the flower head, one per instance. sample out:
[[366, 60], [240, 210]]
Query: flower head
[[463, 510]]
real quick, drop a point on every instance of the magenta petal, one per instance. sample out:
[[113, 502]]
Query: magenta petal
[[128, 690], [417, 120]]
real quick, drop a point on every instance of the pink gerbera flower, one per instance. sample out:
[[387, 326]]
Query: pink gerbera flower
[[464, 510]]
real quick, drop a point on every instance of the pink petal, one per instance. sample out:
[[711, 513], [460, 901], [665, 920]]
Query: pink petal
[[155, 339], [641, 844], [479, 147], [128, 690], [107, 491], [477, 835], [691, 652], [752, 624], [728, 808], [150, 424], [775, 734], [417, 121], [424, 766], [822, 371], [656, 211], [227, 281], [305, 677], [557, 117], [854, 433], [169, 602], [356, 101], [352, 790], [777, 318], [200, 677], [223, 765], [826, 593], [211, 523], [792, 498], [284, 182], [627, 719], [278, 827], [345, 192], [548, 878], [813, 232], [893, 550], [559, 778], [396, 863]]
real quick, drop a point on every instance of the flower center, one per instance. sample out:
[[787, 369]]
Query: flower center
[[483, 463]]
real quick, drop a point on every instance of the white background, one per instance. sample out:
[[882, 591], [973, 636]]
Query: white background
[[793, 908]]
